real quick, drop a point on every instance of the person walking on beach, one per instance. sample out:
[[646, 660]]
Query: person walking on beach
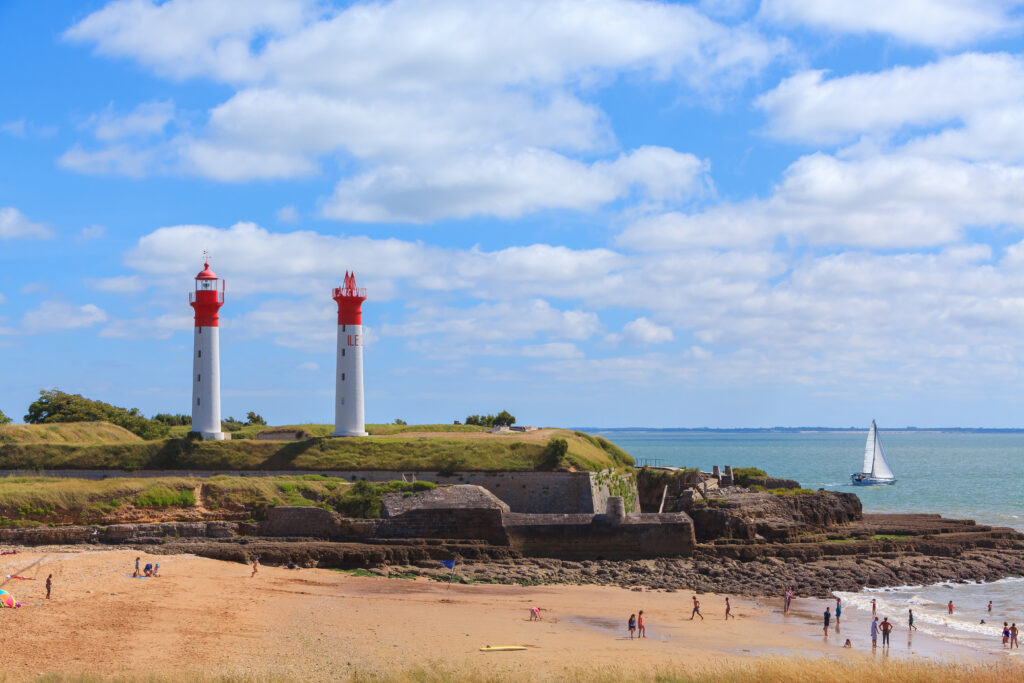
[[874, 633], [696, 609], [631, 625], [910, 621], [874, 607], [641, 627], [255, 566], [950, 606], [886, 627], [49, 585], [1013, 636], [728, 610], [828, 618]]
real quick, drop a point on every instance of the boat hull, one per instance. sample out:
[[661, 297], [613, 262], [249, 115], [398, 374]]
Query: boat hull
[[868, 480]]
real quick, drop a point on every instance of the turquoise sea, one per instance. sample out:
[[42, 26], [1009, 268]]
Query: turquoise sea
[[962, 475]]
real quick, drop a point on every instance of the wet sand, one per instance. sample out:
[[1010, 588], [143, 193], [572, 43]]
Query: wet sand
[[207, 618]]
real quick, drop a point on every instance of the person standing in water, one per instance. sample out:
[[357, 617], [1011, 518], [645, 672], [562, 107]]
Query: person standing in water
[[828, 618], [728, 610], [886, 628], [874, 633], [950, 606], [1006, 634], [1013, 636], [910, 621], [874, 607], [839, 612], [641, 626], [990, 607], [786, 599]]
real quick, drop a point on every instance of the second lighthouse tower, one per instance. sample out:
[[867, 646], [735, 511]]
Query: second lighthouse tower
[[349, 418], [207, 299]]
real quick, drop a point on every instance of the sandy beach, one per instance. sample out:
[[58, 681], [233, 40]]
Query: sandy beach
[[206, 618]]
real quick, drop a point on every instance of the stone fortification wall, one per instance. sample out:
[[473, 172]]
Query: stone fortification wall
[[529, 492], [462, 512], [572, 537]]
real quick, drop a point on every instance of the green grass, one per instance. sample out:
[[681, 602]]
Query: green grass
[[510, 452], [889, 537], [67, 433]]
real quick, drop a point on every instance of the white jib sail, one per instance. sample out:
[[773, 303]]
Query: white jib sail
[[869, 450], [880, 467]]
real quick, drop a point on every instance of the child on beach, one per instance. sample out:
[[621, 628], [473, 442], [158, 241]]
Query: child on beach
[[910, 621], [49, 585], [873, 607], [848, 644], [641, 627], [696, 609], [535, 614], [156, 569], [632, 625], [828, 618], [728, 610], [255, 566], [950, 606], [137, 560], [990, 607]]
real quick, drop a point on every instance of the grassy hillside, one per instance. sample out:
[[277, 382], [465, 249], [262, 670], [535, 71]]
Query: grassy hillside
[[250, 432], [67, 433], [409, 448]]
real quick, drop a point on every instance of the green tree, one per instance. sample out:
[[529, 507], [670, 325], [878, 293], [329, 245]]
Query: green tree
[[503, 419], [253, 419], [175, 420], [57, 406], [400, 421], [230, 424], [553, 453], [4, 420]]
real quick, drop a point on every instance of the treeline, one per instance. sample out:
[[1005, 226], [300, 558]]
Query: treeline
[[58, 406], [502, 419]]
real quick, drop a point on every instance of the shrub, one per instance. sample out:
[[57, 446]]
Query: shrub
[[365, 499], [163, 497], [57, 406], [742, 475], [553, 453]]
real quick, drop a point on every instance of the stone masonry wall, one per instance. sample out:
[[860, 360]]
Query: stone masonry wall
[[576, 537]]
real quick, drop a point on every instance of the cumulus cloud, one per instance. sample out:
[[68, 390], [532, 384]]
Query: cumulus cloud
[[935, 23], [14, 224], [288, 214], [148, 118], [91, 232], [482, 115], [54, 316], [644, 331]]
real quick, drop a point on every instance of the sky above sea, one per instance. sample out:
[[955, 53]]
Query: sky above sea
[[730, 213]]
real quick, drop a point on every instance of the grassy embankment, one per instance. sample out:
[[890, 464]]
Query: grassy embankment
[[31, 501], [438, 448]]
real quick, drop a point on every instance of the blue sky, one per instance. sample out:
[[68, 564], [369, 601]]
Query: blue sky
[[603, 213]]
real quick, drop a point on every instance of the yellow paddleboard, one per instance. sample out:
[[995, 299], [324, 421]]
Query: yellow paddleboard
[[501, 648]]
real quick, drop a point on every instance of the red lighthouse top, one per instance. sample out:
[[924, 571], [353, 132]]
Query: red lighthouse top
[[350, 300], [207, 298]]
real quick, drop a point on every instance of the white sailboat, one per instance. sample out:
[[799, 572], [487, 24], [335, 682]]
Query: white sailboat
[[876, 468]]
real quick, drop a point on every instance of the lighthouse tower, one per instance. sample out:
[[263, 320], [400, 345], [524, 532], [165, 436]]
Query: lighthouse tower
[[207, 299], [349, 419]]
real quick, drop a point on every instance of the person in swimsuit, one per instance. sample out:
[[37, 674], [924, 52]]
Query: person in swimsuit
[[910, 621], [137, 559], [874, 633], [728, 610], [535, 614], [848, 644], [886, 628], [839, 613], [990, 607], [828, 618], [641, 627], [787, 598], [950, 606], [1013, 636], [255, 566], [1006, 634], [49, 585], [631, 625], [696, 609], [156, 569], [873, 607]]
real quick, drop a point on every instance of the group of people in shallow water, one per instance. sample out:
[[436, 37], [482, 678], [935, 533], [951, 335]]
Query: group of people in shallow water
[[885, 627]]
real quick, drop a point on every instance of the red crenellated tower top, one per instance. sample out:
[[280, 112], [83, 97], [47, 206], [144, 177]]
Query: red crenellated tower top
[[350, 301], [207, 298]]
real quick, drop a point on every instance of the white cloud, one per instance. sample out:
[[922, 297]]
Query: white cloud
[[15, 128], [497, 322], [21, 128], [113, 160], [53, 316], [91, 232], [14, 223], [288, 214], [3, 299], [552, 350], [38, 287], [936, 23], [309, 366], [508, 187], [644, 331], [148, 118], [160, 327], [809, 107]]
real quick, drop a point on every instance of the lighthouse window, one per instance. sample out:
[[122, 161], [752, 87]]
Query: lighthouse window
[[342, 328], [343, 352], [197, 401], [200, 353], [199, 378], [343, 377]]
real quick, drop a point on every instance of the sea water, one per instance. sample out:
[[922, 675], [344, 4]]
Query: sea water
[[961, 475]]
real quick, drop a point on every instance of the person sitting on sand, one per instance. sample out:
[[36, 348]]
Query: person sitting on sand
[[728, 610], [641, 626], [535, 614], [910, 621], [874, 633], [696, 609], [1006, 634], [828, 618], [848, 644], [886, 628], [631, 625]]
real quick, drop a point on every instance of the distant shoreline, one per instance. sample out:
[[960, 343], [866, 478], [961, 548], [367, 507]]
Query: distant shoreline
[[808, 430]]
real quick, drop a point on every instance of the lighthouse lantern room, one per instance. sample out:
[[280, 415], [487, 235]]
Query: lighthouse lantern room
[[349, 418], [207, 299]]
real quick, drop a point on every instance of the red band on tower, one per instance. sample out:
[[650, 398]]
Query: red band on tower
[[207, 298], [350, 300]]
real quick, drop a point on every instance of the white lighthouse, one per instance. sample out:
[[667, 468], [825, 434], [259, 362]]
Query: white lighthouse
[[207, 299], [349, 419]]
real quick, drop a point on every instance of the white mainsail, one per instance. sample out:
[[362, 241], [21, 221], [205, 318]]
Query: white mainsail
[[875, 463]]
